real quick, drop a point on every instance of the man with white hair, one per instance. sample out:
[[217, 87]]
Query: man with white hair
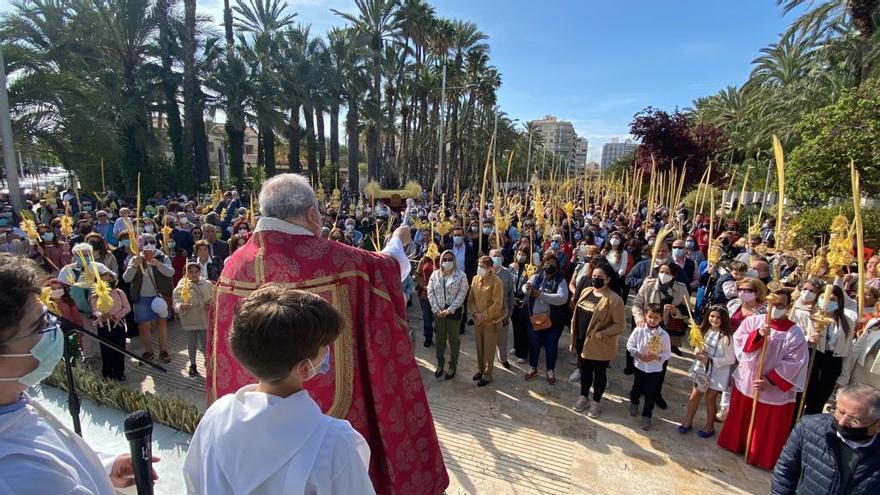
[[122, 223], [834, 453], [373, 380]]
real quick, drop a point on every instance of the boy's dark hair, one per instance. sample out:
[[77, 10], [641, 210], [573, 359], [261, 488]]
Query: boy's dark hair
[[276, 328], [654, 308], [21, 279]]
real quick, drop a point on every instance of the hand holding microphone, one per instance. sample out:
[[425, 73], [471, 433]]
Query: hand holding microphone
[[138, 432]]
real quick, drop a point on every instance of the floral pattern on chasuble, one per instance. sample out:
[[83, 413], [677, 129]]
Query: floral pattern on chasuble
[[373, 382]]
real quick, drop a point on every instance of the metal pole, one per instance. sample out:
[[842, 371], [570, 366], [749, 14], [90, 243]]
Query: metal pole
[[441, 144], [8, 146]]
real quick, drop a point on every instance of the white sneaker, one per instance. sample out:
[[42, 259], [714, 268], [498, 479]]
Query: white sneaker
[[721, 415], [594, 410], [581, 404], [521, 360], [575, 376]]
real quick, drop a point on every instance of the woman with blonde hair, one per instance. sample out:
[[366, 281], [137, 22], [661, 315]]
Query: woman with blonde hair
[[447, 292]]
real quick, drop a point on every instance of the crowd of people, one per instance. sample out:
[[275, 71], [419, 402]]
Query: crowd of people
[[772, 328]]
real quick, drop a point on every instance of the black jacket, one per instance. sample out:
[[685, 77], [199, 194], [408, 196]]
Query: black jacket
[[809, 462]]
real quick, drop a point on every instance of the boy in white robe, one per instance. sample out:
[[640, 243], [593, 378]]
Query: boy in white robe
[[271, 437]]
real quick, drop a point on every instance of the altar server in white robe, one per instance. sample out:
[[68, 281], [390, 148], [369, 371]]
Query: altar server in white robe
[[38, 455], [271, 437]]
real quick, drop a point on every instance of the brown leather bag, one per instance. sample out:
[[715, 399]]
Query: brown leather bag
[[540, 321]]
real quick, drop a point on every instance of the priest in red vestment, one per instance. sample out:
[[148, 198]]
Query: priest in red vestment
[[374, 382], [782, 376]]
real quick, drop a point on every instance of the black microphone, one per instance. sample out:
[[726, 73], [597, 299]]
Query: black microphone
[[139, 432]]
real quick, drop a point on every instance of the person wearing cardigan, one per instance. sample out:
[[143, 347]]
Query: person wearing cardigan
[[599, 318]]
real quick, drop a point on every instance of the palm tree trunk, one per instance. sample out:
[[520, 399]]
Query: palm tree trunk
[[322, 143], [293, 136], [196, 137], [334, 134], [309, 116], [372, 151], [269, 151], [236, 154], [261, 162], [169, 88], [351, 129]]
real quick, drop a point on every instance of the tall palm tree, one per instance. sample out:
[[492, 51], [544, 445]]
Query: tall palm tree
[[830, 18], [379, 21], [265, 20], [785, 62], [195, 135], [170, 83], [349, 79]]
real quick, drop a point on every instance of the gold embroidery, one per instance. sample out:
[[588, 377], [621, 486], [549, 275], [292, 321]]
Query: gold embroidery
[[343, 347], [259, 267]]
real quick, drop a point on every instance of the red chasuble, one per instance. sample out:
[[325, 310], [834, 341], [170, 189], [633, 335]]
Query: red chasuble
[[373, 382]]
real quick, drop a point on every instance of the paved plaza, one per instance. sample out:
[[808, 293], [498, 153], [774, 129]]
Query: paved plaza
[[517, 437]]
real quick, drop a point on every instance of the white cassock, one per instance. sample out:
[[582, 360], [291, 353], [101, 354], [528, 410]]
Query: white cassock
[[39, 455], [256, 443]]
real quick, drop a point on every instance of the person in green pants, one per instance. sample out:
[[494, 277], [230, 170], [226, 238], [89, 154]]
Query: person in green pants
[[447, 291]]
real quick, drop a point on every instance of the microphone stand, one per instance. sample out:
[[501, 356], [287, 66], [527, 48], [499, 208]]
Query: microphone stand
[[73, 403]]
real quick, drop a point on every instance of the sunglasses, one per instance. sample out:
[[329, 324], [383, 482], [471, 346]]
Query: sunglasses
[[750, 291], [149, 243]]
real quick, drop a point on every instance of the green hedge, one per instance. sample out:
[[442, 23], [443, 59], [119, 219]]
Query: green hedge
[[817, 221]]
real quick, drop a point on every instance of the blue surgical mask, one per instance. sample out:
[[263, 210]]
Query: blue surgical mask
[[830, 307], [578, 236], [322, 368], [47, 352], [3, 221], [457, 239], [497, 260], [554, 245], [47, 236], [125, 242], [487, 230], [678, 252]]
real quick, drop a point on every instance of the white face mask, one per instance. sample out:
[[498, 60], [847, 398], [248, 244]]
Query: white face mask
[[481, 271], [665, 278], [776, 313], [808, 296], [615, 241], [447, 265], [47, 352]]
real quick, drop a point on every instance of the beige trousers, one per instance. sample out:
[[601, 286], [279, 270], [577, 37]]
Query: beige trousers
[[486, 337]]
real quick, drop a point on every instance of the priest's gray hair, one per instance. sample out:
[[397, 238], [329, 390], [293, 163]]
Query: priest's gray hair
[[863, 392], [287, 195]]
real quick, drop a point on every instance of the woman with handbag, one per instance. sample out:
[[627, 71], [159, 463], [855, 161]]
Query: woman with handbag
[[672, 296], [548, 296], [599, 317], [447, 291]]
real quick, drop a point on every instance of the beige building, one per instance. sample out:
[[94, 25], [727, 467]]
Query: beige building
[[558, 135], [580, 153], [218, 153]]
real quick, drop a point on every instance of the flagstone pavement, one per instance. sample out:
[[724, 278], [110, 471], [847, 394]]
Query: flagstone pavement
[[517, 437]]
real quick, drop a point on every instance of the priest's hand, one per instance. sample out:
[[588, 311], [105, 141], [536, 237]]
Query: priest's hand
[[404, 234], [122, 472]]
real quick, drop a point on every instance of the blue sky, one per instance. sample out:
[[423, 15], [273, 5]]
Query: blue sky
[[597, 63]]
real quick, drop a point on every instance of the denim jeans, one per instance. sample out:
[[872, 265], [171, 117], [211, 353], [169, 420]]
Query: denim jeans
[[427, 319], [549, 340]]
